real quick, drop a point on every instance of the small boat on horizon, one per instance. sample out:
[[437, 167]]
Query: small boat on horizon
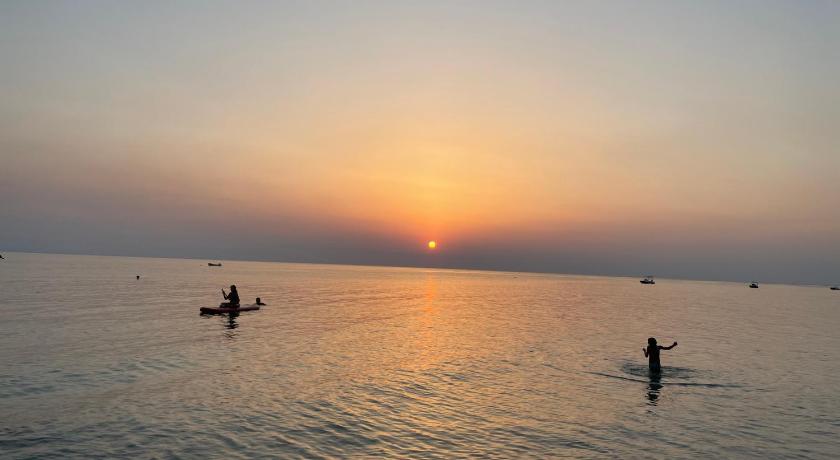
[[835, 288], [754, 285], [211, 264], [647, 280]]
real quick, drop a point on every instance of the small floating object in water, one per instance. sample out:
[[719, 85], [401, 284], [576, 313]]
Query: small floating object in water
[[835, 288], [211, 264], [754, 285], [138, 277], [220, 310], [647, 280]]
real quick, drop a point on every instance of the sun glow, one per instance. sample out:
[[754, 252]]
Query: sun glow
[[432, 244]]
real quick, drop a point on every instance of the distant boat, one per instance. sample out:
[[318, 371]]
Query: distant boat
[[754, 285], [647, 280], [211, 264], [835, 288]]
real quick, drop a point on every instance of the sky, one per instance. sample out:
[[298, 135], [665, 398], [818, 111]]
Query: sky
[[682, 139]]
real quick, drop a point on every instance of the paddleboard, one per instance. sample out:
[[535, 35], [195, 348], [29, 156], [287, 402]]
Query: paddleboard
[[220, 310]]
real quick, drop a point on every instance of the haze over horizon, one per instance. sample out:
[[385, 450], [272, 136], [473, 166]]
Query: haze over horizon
[[685, 140]]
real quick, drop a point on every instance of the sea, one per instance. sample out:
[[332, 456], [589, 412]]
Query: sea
[[376, 362]]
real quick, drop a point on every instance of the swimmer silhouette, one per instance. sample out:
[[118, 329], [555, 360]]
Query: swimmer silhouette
[[138, 277], [652, 354], [259, 301]]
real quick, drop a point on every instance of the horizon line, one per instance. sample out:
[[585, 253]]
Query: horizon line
[[419, 267]]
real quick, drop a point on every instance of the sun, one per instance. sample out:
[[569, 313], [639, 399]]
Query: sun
[[432, 244]]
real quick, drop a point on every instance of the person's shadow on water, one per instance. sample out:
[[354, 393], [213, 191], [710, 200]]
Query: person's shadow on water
[[654, 387], [231, 324]]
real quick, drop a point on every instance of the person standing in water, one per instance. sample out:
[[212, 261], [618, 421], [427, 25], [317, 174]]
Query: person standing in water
[[652, 354], [232, 298]]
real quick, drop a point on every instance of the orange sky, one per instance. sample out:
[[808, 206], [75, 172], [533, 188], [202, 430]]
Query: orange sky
[[497, 131]]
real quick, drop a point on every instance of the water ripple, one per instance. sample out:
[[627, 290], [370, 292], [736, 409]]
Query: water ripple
[[353, 362]]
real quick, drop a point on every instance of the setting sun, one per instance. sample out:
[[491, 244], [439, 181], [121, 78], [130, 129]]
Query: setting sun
[[432, 244]]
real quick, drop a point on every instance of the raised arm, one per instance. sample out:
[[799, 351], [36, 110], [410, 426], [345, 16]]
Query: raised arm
[[668, 348], [645, 352], [224, 295]]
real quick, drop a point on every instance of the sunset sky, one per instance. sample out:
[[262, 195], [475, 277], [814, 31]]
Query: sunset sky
[[682, 139]]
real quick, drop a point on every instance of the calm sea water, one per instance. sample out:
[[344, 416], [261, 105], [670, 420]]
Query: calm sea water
[[369, 362]]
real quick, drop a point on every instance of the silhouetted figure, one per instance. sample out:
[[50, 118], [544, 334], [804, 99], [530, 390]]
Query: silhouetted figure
[[138, 277], [652, 354], [232, 298], [259, 302], [1, 256]]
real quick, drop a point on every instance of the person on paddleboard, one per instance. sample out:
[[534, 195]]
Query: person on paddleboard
[[652, 354], [232, 298]]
